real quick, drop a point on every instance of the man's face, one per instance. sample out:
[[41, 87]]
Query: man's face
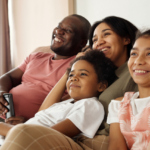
[[66, 38]]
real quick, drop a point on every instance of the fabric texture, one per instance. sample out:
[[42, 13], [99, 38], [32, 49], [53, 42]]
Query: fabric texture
[[123, 84], [41, 73], [135, 128], [35, 137], [83, 114], [5, 54], [1, 140], [137, 105], [133, 114]]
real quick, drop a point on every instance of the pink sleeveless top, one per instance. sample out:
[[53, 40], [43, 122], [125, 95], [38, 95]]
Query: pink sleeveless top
[[135, 128]]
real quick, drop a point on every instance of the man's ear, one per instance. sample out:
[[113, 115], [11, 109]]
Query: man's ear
[[102, 86], [126, 41], [83, 43]]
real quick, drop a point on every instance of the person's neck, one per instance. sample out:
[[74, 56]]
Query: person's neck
[[121, 60], [58, 57], [144, 92]]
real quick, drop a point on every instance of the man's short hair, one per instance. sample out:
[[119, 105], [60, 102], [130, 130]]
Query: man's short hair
[[85, 26]]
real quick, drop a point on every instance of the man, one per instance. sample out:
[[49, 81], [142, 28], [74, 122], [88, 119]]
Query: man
[[35, 77]]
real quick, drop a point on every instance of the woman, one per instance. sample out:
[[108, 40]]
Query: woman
[[114, 36]]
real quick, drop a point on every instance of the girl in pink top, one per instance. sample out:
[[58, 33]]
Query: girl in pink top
[[130, 117]]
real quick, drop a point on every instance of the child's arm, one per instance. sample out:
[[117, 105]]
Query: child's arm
[[116, 139], [4, 128], [55, 94], [67, 128]]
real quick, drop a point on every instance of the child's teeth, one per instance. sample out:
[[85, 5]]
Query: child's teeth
[[140, 71]]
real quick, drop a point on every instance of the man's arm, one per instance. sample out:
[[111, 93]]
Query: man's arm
[[55, 94], [116, 139], [8, 81]]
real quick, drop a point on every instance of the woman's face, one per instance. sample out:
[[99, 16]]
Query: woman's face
[[111, 44], [139, 62]]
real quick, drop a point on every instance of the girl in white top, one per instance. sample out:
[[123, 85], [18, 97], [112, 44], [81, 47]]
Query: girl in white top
[[88, 76], [129, 117]]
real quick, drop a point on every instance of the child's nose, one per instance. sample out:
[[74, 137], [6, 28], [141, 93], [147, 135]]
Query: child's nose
[[74, 78], [140, 60]]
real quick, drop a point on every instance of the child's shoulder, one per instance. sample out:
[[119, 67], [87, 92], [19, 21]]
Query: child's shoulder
[[119, 98]]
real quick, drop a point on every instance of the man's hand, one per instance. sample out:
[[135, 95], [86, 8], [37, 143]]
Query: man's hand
[[15, 120], [7, 82], [3, 104]]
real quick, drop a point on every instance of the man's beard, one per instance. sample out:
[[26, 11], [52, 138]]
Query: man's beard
[[60, 51]]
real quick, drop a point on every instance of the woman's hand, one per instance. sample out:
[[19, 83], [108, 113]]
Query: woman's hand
[[84, 50], [15, 120]]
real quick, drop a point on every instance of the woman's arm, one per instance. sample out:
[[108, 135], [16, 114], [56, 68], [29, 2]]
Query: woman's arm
[[67, 128], [4, 128], [116, 139], [55, 94]]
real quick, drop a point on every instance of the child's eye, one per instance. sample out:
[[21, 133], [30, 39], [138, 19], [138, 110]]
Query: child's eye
[[133, 54], [70, 75], [83, 74], [148, 54]]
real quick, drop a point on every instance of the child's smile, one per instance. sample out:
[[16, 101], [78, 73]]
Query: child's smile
[[139, 62], [74, 86]]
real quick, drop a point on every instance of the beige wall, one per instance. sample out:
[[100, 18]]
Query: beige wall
[[32, 23], [136, 11]]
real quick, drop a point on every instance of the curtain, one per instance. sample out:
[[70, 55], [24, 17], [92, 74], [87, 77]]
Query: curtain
[[5, 59]]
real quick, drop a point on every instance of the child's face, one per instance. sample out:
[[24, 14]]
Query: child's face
[[82, 81], [139, 62]]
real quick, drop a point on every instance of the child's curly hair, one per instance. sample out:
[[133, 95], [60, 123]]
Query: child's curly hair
[[104, 67]]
